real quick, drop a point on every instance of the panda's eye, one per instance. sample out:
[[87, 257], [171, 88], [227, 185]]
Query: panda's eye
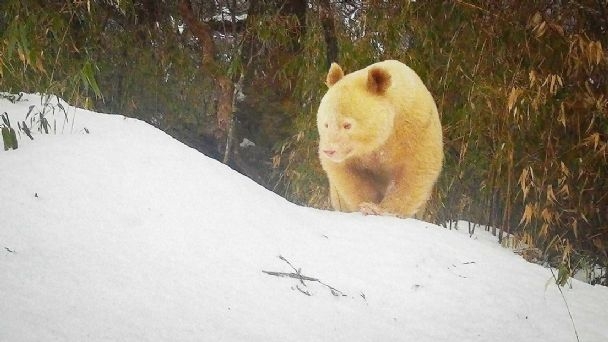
[[347, 125]]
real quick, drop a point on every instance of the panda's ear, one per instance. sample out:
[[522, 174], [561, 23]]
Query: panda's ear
[[378, 80], [334, 75]]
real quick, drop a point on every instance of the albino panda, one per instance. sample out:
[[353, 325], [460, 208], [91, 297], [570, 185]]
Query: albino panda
[[380, 140]]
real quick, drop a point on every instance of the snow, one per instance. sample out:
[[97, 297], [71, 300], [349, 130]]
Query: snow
[[226, 14], [125, 234]]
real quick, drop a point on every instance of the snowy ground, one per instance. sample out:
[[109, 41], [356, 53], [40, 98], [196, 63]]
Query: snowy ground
[[125, 234]]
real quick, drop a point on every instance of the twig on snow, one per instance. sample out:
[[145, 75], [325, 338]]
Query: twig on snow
[[297, 274]]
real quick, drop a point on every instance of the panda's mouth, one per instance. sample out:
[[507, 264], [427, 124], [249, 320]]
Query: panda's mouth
[[336, 155]]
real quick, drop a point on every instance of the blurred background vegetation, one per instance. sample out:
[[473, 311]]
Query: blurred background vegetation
[[521, 86]]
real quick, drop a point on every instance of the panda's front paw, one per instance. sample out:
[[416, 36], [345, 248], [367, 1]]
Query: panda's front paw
[[369, 208]]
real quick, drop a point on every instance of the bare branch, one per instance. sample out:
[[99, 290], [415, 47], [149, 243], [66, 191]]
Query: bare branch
[[297, 274]]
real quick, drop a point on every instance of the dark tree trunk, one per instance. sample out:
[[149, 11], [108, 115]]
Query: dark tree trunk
[[224, 85], [329, 32]]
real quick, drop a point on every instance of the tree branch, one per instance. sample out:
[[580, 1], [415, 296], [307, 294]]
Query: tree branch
[[201, 30]]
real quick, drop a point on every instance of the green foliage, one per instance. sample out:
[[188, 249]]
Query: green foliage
[[41, 116], [44, 50], [298, 175], [9, 137]]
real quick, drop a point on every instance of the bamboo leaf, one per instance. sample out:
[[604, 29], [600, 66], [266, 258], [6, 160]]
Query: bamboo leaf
[[527, 215], [6, 138], [13, 139], [23, 127], [29, 111], [6, 120], [88, 76]]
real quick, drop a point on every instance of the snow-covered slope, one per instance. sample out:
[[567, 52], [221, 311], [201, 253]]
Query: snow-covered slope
[[125, 234]]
